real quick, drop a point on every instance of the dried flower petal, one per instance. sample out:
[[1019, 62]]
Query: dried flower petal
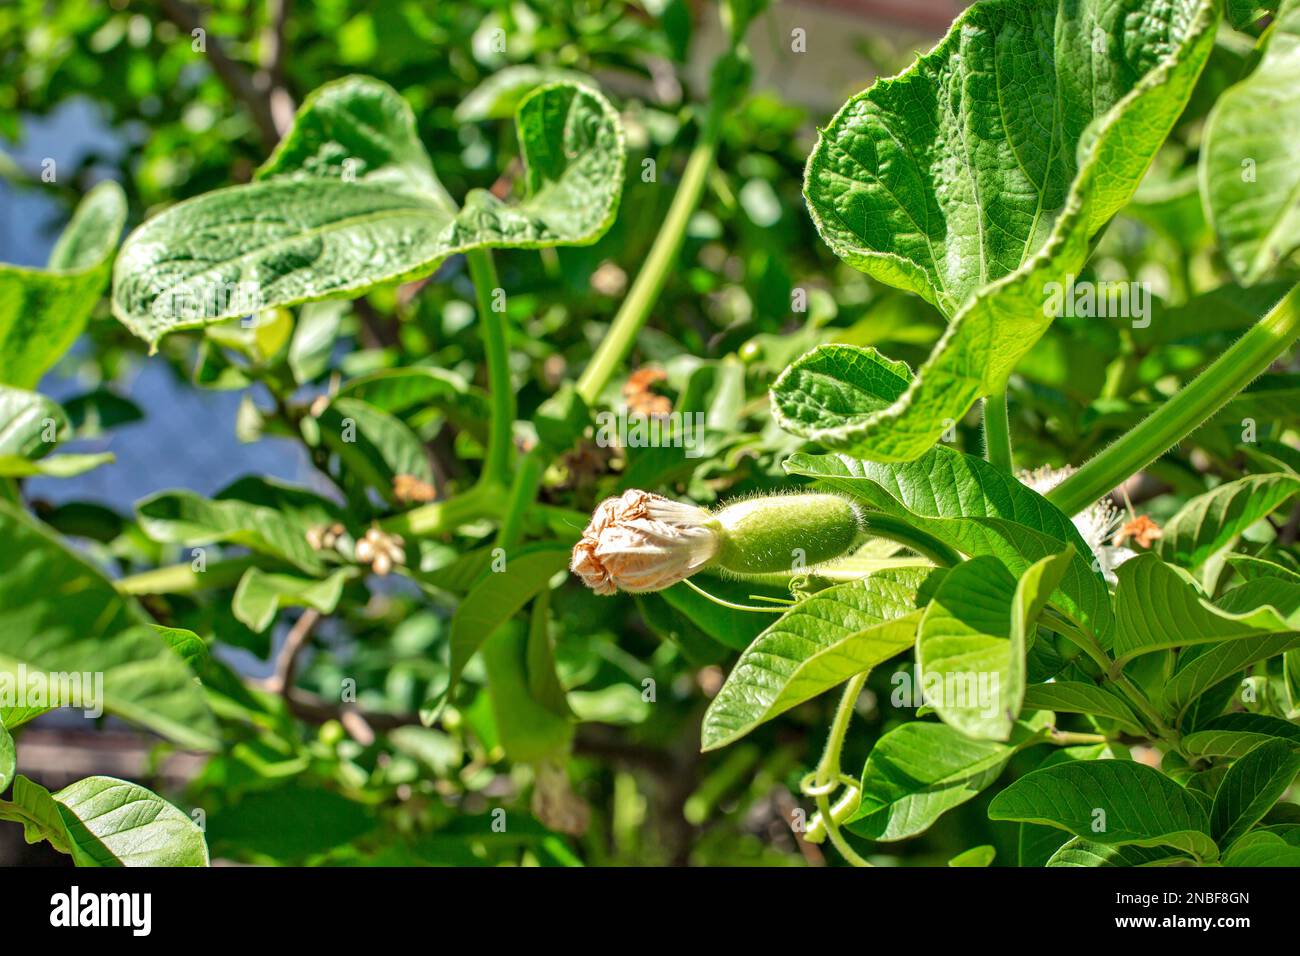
[[643, 542]]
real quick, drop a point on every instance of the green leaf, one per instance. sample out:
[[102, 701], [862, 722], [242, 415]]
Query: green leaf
[[1111, 802], [1156, 607], [102, 821], [1262, 848], [182, 517], [8, 758], [825, 394], [1198, 672], [191, 648], [1233, 735], [1081, 852], [969, 505], [1211, 521], [30, 424], [402, 390], [42, 311], [974, 633], [58, 466], [97, 632], [975, 856], [260, 594], [499, 95], [1249, 177], [350, 201], [1252, 568], [1078, 697], [920, 770], [374, 445], [819, 643], [976, 181], [313, 339], [529, 730], [1254, 782], [497, 597], [357, 129]]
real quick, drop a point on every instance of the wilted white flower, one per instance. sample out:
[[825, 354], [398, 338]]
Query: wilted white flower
[[643, 542], [1096, 524]]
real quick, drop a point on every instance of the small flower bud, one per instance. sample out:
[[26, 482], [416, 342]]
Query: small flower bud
[[643, 542]]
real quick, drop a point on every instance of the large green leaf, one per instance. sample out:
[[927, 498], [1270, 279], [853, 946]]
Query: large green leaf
[[42, 311], [102, 821], [1254, 782], [920, 770], [1250, 181], [1111, 802], [820, 642], [58, 615], [977, 177], [350, 201], [969, 505], [1211, 521], [1158, 608], [974, 633]]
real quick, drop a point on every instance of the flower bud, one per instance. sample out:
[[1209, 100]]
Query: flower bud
[[643, 542]]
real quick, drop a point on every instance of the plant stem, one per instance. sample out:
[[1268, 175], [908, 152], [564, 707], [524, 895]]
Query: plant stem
[[481, 501], [828, 768], [997, 431], [634, 311], [1069, 738], [1248, 357], [523, 492], [496, 346], [886, 526]]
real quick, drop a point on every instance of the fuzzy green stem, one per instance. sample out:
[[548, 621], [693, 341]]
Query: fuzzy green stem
[[634, 311], [1236, 368], [496, 346], [997, 431]]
